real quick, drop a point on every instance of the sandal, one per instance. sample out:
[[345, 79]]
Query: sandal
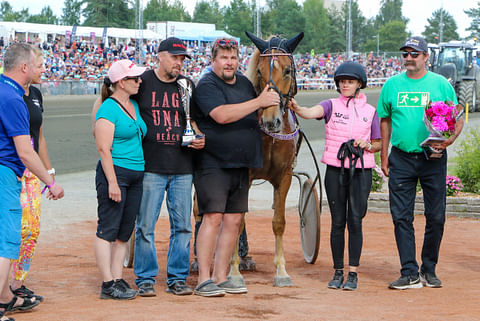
[[2, 313], [28, 304], [24, 292]]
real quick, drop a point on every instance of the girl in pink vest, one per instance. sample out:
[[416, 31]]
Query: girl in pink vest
[[352, 135]]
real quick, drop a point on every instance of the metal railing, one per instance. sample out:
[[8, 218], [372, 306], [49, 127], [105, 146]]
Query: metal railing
[[84, 87]]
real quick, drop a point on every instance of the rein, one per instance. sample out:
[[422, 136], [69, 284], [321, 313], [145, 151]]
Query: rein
[[284, 98]]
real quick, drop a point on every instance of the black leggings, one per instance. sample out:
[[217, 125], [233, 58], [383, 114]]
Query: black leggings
[[348, 205]]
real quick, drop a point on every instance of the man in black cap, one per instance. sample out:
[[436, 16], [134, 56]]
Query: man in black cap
[[401, 107], [168, 170]]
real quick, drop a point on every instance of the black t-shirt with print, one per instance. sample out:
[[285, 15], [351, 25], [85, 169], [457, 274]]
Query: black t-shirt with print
[[232, 145], [34, 103], [162, 110]]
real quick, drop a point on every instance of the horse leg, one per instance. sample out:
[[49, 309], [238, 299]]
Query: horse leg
[[278, 224], [235, 276]]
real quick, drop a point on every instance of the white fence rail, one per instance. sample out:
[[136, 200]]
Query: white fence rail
[[79, 87]]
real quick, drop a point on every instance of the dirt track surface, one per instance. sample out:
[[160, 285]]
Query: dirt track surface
[[64, 271]]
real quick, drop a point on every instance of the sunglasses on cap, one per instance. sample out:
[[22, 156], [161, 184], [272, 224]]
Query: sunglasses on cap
[[136, 78], [227, 42], [413, 54]]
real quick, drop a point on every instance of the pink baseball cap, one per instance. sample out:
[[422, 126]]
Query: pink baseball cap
[[124, 68]]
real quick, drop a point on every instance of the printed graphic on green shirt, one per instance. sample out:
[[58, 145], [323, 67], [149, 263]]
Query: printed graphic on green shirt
[[413, 99]]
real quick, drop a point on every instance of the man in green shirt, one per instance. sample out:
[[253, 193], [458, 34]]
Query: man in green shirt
[[401, 109]]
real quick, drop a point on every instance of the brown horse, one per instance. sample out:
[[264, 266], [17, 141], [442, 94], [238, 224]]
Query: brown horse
[[272, 64]]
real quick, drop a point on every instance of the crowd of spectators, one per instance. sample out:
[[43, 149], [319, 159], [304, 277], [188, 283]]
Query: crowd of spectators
[[84, 61]]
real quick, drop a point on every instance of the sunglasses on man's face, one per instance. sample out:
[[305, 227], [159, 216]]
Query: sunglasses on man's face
[[227, 43], [136, 78], [413, 54]]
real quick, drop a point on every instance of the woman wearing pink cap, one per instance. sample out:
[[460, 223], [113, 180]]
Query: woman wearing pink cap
[[119, 131]]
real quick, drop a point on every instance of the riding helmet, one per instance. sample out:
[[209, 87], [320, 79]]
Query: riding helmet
[[350, 69]]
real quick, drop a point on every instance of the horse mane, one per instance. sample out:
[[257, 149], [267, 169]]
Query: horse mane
[[251, 71]]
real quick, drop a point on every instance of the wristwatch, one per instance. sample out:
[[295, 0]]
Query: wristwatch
[[51, 171]]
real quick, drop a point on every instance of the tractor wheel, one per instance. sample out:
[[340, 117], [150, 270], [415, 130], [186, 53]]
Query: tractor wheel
[[477, 96], [467, 94]]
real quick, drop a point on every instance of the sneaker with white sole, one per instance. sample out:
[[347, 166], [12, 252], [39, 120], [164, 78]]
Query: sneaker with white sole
[[431, 280], [406, 282], [233, 288]]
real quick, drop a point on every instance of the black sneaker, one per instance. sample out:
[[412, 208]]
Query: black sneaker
[[146, 289], [351, 283], [430, 280], [406, 282], [126, 286], [337, 281], [116, 291], [24, 292], [179, 288]]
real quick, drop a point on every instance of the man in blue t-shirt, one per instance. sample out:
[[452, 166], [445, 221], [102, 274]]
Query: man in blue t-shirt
[[16, 153], [401, 107]]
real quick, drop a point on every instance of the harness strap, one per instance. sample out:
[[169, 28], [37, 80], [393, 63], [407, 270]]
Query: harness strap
[[351, 153]]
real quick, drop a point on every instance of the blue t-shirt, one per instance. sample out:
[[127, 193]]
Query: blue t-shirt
[[127, 149], [14, 121]]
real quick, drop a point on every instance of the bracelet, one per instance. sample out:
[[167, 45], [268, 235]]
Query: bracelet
[[369, 146], [51, 171], [48, 186]]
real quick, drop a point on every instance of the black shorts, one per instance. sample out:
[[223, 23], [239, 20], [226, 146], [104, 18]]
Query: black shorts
[[222, 190], [117, 220]]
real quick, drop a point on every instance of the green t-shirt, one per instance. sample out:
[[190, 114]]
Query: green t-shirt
[[127, 149], [404, 99]]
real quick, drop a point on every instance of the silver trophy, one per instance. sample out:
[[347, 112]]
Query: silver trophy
[[186, 92]]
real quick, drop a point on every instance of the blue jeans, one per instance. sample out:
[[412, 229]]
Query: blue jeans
[[179, 205]]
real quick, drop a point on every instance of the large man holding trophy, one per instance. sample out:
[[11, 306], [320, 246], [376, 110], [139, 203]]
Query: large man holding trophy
[[164, 100], [414, 158]]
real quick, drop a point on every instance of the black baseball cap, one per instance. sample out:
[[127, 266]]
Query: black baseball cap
[[173, 46], [417, 43]]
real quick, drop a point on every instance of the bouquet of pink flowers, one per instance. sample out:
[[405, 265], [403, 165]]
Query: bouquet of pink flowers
[[440, 118]]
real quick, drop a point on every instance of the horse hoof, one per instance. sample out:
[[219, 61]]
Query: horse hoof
[[282, 281], [237, 280], [194, 266], [247, 264]]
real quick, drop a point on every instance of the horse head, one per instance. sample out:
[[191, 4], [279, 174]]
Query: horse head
[[272, 63]]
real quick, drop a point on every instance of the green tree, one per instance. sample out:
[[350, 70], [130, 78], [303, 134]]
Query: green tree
[[432, 29], [238, 18], [71, 12], [336, 38], [209, 11], [110, 13], [7, 13], [474, 14], [317, 23], [283, 17], [360, 34], [392, 35], [162, 10], [46, 16], [390, 10]]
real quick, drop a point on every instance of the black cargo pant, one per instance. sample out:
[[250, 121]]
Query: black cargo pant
[[405, 170]]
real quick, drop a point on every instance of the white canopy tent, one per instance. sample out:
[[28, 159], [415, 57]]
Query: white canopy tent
[[31, 31]]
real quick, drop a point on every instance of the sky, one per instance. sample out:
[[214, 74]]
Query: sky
[[418, 11]]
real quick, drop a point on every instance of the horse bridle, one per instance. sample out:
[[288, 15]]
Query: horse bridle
[[272, 57], [284, 98]]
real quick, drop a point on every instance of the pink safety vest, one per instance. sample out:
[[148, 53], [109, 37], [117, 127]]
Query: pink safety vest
[[352, 122]]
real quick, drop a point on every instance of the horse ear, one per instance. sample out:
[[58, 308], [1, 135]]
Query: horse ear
[[261, 44], [292, 43]]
